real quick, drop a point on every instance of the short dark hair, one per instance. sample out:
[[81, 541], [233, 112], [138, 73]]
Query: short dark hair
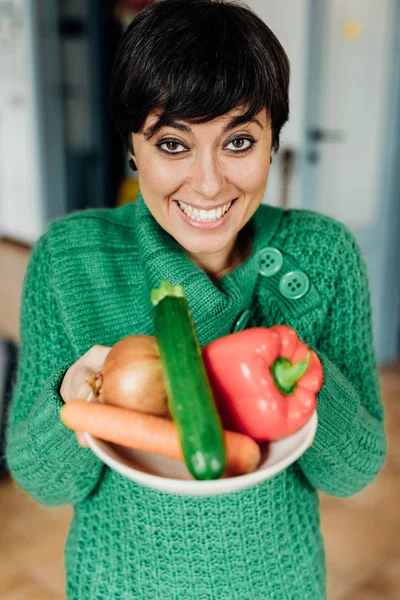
[[196, 60]]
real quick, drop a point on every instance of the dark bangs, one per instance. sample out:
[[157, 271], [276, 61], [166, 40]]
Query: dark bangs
[[196, 60]]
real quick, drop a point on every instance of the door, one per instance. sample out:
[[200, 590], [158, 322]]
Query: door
[[350, 139]]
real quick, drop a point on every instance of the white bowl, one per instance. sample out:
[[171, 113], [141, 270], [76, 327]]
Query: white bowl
[[172, 476]]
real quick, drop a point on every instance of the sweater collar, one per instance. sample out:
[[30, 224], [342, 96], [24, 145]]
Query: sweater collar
[[213, 307]]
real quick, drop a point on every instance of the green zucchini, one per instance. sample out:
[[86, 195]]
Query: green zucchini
[[190, 399]]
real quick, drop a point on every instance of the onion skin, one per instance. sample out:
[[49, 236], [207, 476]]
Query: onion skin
[[131, 376]]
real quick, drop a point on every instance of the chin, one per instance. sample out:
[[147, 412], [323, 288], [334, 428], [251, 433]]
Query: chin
[[203, 246]]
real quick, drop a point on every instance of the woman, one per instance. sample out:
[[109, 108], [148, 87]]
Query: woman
[[200, 94]]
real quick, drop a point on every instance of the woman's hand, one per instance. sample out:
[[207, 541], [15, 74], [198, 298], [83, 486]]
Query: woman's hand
[[75, 385]]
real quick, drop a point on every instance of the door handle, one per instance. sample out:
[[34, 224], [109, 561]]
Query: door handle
[[326, 135]]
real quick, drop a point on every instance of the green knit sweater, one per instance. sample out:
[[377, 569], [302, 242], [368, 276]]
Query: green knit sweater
[[88, 282]]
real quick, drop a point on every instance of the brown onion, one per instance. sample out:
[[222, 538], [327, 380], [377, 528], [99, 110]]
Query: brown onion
[[132, 377]]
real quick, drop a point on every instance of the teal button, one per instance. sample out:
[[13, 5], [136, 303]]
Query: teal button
[[242, 321], [294, 285], [270, 261]]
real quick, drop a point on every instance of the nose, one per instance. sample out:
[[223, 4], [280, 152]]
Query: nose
[[206, 177]]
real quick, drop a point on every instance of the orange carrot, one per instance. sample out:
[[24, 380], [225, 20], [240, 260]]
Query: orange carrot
[[141, 431]]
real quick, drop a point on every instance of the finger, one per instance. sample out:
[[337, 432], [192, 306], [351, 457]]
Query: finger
[[82, 440], [96, 356], [85, 389]]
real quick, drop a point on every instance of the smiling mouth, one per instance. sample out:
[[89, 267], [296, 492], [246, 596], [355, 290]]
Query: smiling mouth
[[205, 216]]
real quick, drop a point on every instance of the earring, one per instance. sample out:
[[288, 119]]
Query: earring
[[132, 165]]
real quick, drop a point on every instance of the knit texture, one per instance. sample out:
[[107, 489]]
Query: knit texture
[[88, 282]]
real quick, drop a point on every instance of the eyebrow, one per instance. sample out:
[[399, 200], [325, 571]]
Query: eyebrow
[[234, 122]]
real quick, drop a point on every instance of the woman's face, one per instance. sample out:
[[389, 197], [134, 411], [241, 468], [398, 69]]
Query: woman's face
[[202, 183]]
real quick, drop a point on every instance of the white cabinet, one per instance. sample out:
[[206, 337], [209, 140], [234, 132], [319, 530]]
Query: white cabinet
[[31, 170], [20, 188]]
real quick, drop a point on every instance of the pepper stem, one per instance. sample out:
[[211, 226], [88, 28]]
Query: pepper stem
[[286, 375], [166, 289]]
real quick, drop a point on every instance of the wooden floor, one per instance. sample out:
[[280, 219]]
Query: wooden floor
[[362, 533]]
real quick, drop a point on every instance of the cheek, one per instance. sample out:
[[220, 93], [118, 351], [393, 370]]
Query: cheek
[[251, 176], [161, 176]]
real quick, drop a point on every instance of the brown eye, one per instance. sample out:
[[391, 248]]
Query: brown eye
[[240, 145], [171, 147]]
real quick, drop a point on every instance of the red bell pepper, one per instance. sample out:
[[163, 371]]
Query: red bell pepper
[[264, 381]]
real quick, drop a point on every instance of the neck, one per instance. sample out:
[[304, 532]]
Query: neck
[[221, 263]]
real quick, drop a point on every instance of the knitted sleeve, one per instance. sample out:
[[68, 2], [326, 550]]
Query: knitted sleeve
[[43, 456], [350, 447]]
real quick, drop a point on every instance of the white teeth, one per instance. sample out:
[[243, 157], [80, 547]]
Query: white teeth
[[204, 216]]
